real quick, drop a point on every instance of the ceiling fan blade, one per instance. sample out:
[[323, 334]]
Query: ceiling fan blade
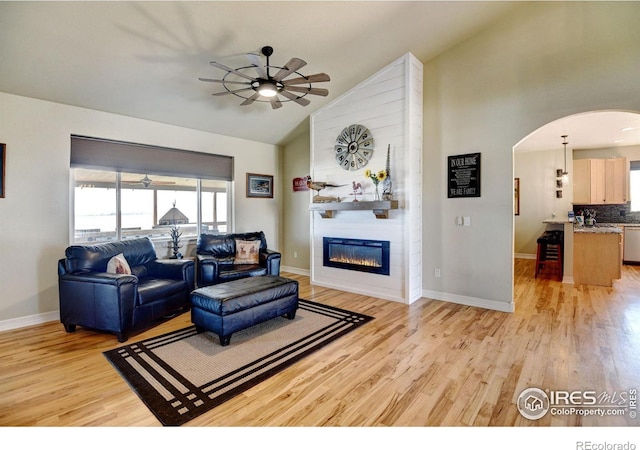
[[315, 78], [293, 65], [224, 81], [250, 100], [231, 92], [257, 62], [229, 69], [308, 90], [275, 103], [295, 98]]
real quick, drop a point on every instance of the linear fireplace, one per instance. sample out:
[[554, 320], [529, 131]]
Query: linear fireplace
[[356, 254]]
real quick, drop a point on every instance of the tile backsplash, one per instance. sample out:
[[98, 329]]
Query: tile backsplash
[[611, 213]]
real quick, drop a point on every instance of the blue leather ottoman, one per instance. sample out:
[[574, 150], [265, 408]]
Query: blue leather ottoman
[[235, 305]]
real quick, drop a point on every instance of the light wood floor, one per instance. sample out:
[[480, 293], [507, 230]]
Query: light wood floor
[[427, 364]]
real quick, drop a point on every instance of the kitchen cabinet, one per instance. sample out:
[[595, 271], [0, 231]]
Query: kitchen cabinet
[[600, 181], [616, 174], [597, 257]]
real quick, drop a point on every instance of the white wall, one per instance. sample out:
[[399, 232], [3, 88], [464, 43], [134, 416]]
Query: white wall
[[389, 105], [538, 201], [547, 61], [34, 216], [296, 251], [631, 152]]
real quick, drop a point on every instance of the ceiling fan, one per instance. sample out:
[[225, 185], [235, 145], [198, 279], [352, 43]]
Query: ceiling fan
[[266, 86], [146, 182]]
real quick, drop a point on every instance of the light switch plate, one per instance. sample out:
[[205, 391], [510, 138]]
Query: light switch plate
[[467, 221]]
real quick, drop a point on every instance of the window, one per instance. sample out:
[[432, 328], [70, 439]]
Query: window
[[94, 206], [634, 185], [214, 206], [110, 205]]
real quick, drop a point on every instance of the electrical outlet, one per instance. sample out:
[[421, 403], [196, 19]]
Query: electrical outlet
[[295, 254], [436, 273]]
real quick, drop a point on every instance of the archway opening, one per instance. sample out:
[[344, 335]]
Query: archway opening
[[539, 160]]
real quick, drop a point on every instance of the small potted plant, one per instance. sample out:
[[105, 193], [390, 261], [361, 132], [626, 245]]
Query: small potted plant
[[175, 244], [589, 217]]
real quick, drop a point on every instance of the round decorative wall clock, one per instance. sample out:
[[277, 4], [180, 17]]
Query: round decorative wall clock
[[354, 147]]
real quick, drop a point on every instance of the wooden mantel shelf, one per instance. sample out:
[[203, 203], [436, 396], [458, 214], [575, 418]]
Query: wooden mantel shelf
[[380, 208]]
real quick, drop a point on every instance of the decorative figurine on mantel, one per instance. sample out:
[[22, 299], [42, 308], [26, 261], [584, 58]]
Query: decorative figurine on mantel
[[387, 191], [357, 190], [318, 186]]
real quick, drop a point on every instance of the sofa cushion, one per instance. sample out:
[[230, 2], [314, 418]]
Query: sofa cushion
[[152, 289], [139, 271], [95, 258], [224, 245], [237, 271], [118, 264], [247, 252]]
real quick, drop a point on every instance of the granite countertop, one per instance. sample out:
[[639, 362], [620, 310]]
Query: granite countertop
[[602, 229]]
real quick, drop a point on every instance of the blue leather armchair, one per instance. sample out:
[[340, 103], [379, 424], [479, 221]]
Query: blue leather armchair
[[119, 303], [216, 258]]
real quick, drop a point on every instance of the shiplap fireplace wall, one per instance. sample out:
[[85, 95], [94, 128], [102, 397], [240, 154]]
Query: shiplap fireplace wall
[[389, 104]]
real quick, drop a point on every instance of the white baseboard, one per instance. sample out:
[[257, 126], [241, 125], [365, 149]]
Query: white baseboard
[[355, 290], [295, 270], [28, 321], [524, 256], [470, 301]]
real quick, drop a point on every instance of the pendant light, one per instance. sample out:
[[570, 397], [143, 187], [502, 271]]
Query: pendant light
[[565, 174]]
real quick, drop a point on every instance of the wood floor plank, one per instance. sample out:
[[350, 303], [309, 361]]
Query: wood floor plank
[[431, 363]]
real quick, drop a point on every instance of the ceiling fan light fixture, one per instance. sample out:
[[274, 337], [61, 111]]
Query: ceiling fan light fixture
[[267, 89]]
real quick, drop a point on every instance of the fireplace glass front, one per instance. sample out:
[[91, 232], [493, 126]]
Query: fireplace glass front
[[356, 254]]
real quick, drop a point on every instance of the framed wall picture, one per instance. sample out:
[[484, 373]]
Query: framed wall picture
[[260, 186], [3, 171]]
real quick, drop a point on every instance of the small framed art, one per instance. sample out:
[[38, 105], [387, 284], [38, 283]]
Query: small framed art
[[260, 186]]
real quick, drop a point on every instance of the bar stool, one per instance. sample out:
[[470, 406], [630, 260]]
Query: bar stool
[[550, 251]]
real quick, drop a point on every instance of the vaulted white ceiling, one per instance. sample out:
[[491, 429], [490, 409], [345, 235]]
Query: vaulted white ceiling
[[143, 59]]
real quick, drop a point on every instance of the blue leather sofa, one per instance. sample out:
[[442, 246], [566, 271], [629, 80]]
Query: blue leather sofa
[[115, 302], [216, 256]]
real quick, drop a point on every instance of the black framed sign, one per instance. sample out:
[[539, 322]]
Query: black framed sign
[[463, 175]]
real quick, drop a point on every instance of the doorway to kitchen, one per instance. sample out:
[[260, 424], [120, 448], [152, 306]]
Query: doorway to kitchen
[[542, 158]]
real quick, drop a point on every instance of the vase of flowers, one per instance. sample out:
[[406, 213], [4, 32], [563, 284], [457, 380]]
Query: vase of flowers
[[376, 177]]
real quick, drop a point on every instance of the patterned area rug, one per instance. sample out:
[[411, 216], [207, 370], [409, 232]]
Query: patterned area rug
[[182, 374]]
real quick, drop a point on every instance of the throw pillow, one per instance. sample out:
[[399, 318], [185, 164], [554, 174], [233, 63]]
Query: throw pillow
[[118, 264], [247, 252]]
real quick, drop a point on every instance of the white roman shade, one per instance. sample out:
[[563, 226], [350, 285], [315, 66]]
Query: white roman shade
[[104, 154]]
